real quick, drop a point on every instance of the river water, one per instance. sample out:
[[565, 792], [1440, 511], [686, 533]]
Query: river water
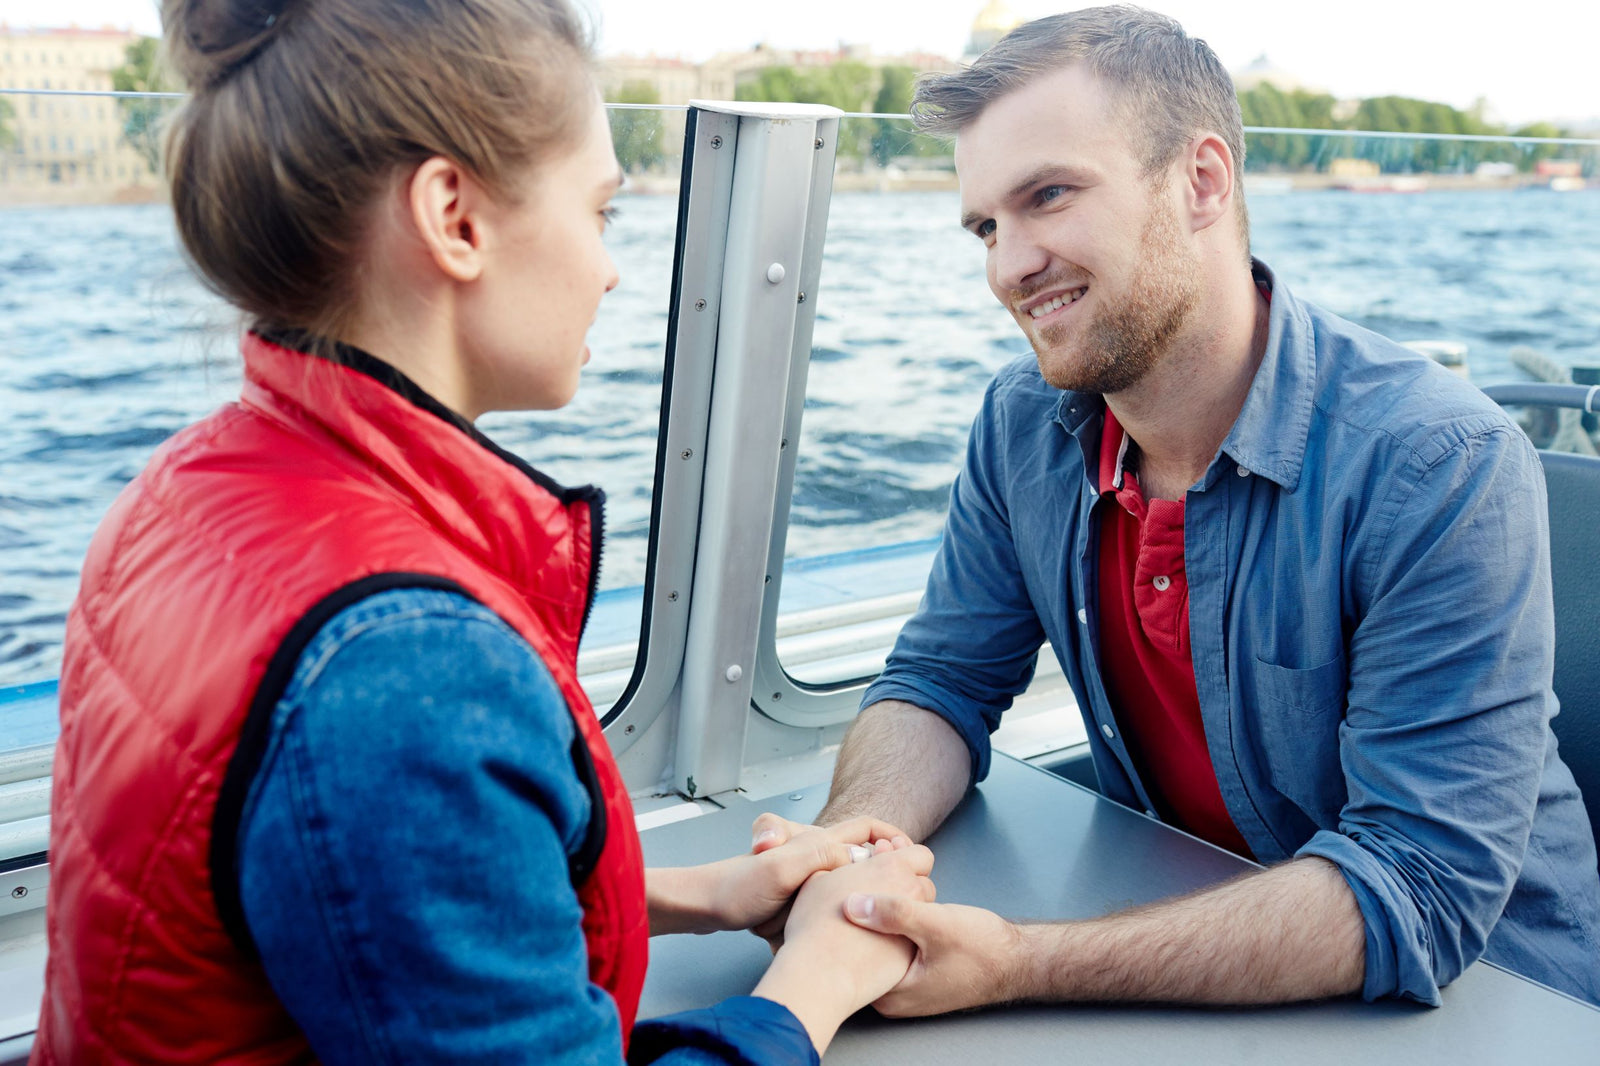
[[107, 346]]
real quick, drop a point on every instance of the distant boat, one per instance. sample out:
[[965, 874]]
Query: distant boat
[[1394, 183]]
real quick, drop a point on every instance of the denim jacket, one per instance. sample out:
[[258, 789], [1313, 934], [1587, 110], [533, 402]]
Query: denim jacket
[[1372, 634], [403, 857]]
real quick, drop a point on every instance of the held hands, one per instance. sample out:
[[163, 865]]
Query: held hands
[[757, 888], [965, 956], [754, 891], [828, 968]]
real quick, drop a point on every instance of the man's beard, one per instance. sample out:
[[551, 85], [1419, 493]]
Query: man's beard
[[1128, 335]]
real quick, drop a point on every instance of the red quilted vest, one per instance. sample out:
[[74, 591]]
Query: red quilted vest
[[213, 569]]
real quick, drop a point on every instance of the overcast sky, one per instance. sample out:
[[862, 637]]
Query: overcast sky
[[1536, 59]]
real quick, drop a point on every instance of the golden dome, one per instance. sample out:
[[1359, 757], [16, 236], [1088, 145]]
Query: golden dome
[[993, 22], [996, 17]]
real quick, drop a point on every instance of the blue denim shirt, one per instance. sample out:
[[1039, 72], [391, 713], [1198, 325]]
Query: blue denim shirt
[[403, 857], [1372, 634]]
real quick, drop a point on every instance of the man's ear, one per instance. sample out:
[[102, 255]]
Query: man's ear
[[445, 206], [1209, 181]]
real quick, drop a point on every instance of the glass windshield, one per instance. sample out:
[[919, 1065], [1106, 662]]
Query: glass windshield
[[1481, 251]]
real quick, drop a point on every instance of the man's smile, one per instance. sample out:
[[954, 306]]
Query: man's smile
[[1047, 306]]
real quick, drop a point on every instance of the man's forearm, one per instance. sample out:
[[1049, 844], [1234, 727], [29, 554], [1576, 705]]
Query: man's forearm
[[902, 764], [1290, 933]]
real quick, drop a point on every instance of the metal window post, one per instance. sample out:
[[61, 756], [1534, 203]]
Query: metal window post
[[781, 181]]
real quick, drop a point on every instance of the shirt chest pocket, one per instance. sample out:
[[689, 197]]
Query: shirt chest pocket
[[1300, 711]]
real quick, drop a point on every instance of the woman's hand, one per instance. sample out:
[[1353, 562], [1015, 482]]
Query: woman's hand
[[829, 968], [750, 891]]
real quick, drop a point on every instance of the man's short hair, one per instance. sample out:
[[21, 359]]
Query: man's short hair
[[1171, 85]]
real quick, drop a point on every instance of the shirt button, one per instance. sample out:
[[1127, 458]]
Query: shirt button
[[1162, 582], [1109, 732], [1244, 471], [1083, 615]]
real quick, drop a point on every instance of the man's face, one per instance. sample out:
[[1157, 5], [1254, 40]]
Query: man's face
[[1087, 252]]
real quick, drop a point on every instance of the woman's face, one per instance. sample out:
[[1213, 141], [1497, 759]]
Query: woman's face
[[545, 270]]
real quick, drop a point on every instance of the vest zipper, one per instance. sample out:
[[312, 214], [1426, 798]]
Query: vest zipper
[[596, 499]]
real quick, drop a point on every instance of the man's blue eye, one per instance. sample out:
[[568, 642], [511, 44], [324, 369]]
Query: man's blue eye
[[985, 228], [1050, 192]]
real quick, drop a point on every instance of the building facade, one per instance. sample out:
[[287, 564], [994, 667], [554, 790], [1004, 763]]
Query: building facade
[[66, 147]]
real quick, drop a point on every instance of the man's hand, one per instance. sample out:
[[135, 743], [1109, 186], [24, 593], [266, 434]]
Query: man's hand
[[754, 890], [773, 834], [966, 956], [829, 968]]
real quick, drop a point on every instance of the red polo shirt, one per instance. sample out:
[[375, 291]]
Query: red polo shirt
[[1144, 649]]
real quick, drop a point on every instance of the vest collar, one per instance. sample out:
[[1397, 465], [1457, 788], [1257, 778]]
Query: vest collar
[[542, 538]]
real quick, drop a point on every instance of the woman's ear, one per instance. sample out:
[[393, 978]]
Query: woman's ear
[[445, 206]]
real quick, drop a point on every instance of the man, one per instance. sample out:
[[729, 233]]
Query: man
[[1297, 577]]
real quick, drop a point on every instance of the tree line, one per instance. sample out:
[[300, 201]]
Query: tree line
[[1267, 105], [853, 86]]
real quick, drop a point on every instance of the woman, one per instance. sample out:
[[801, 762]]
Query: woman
[[327, 785]]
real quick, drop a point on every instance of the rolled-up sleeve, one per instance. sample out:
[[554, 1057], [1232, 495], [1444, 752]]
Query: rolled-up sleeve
[[1445, 731], [972, 644]]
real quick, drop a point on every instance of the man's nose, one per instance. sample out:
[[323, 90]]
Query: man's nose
[[1017, 258]]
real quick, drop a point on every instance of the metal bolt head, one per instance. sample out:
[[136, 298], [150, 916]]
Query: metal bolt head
[[688, 453], [672, 597], [629, 730], [716, 142], [784, 443], [699, 305], [733, 673], [802, 297], [777, 695], [19, 892], [818, 144]]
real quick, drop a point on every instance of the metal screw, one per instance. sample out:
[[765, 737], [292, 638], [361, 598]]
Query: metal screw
[[19, 891], [767, 580], [777, 695], [673, 596], [802, 297], [716, 142], [628, 730], [784, 443], [699, 305], [688, 453], [819, 144]]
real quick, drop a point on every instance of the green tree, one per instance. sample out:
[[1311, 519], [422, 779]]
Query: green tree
[[142, 72], [896, 85], [8, 136], [849, 85], [1526, 156], [637, 135], [1267, 105]]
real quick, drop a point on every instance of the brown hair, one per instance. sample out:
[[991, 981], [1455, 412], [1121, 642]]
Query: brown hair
[[1172, 85], [302, 111]]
